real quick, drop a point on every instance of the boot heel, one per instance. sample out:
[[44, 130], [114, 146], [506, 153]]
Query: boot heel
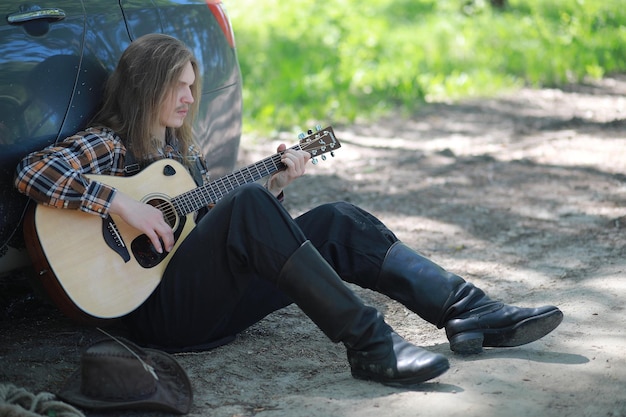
[[467, 343], [396, 363]]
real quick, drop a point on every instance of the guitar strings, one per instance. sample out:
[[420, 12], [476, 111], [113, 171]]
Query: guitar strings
[[219, 190], [219, 187]]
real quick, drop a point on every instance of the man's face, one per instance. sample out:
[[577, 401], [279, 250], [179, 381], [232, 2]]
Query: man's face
[[175, 106]]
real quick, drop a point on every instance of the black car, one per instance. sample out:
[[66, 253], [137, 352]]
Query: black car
[[54, 58]]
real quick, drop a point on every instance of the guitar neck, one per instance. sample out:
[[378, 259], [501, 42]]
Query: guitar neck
[[316, 143], [212, 192]]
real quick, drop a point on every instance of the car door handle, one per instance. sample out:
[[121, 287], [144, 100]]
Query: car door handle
[[35, 13]]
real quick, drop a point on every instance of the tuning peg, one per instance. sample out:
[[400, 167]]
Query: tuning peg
[[332, 153], [314, 161], [323, 157], [310, 132], [318, 127], [301, 136]]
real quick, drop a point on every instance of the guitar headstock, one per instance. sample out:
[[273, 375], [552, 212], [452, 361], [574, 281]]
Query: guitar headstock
[[319, 143]]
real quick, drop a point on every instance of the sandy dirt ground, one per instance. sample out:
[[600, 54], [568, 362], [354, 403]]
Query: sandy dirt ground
[[524, 195]]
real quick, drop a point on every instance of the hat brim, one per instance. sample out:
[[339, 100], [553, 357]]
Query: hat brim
[[173, 389]]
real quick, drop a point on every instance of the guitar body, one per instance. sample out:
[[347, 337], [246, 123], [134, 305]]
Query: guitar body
[[90, 278], [98, 269]]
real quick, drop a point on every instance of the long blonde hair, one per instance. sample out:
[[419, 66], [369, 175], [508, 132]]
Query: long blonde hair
[[145, 75]]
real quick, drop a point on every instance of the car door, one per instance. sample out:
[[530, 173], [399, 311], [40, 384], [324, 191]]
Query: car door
[[54, 59], [40, 49]]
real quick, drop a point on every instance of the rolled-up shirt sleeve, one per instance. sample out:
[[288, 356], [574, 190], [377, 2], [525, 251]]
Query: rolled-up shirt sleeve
[[56, 176]]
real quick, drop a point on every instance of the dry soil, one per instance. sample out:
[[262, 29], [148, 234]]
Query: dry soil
[[524, 195]]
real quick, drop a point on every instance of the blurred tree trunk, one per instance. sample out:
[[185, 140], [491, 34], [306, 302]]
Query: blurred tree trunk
[[498, 3]]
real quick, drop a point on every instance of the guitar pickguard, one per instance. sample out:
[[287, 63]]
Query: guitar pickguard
[[144, 251]]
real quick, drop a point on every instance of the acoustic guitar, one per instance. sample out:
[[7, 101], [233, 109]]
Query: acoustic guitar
[[97, 269]]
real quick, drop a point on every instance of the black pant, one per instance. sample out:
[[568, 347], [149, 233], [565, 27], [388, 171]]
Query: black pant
[[221, 279]]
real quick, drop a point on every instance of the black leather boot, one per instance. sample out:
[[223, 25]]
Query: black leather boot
[[472, 320], [375, 352]]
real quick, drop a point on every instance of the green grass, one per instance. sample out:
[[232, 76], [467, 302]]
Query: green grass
[[330, 62]]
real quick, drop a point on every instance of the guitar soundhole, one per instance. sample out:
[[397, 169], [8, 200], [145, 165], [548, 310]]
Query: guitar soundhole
[[145, 253], [169, 212]]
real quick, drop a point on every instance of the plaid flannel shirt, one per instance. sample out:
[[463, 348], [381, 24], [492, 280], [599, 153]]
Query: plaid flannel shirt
[[56, 177]]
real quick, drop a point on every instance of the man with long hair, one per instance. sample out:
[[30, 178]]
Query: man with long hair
[[247, 257]]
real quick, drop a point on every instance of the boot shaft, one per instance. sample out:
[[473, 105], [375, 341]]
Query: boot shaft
[[374, 351], [424, 287], [320, 293]]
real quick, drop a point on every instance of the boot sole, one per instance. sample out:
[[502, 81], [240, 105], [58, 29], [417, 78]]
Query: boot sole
[[523, 332], [432, 372]]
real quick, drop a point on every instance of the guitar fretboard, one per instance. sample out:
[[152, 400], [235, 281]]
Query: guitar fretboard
[[212, 192]]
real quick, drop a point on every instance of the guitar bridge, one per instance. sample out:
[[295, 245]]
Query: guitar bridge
[[113, 238]]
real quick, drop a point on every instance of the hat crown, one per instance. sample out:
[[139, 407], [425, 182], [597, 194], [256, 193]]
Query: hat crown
[[111, 372], [117, 374]]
